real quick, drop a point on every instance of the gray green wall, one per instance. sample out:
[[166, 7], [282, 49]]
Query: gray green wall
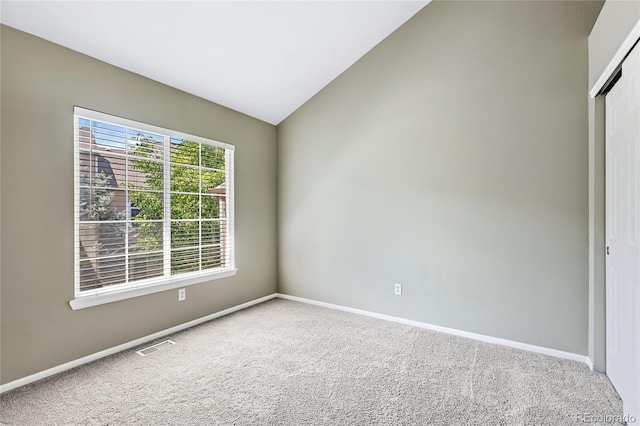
[[452, 158], [41, 82]]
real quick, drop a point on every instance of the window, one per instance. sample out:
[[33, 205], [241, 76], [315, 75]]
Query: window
[[153, 208]]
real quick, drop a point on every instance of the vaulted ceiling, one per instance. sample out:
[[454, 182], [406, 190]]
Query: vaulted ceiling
[[262, 58]]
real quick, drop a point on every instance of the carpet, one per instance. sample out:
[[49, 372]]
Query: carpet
[[288, 363]]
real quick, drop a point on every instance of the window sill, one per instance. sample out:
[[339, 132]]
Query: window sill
[[81, 302]]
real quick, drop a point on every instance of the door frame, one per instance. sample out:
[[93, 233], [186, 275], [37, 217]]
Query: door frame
[[596, 345]]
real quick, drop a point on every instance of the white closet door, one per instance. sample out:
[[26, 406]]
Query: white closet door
[[623, 235]]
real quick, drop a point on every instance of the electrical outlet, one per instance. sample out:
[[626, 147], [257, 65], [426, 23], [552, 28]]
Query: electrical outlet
[[398, 289], [182, 294]]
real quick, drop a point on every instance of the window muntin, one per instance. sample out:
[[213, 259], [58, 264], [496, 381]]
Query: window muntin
[[152, 205]]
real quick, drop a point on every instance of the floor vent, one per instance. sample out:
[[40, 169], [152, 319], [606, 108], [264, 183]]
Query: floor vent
[[155, 348]]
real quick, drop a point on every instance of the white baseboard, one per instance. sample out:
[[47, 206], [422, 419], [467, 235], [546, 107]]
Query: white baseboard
[[89, 358], [480, 337], [589, 363]]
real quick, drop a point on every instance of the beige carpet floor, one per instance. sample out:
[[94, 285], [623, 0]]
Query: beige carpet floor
[[287, 363]]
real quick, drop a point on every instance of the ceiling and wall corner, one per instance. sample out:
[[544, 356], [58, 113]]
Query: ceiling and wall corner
[[264, 59]]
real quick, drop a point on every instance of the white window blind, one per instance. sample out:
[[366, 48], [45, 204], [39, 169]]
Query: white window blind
[[151, 205]]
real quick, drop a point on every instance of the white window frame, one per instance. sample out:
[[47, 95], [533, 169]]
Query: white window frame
[[123, 291]]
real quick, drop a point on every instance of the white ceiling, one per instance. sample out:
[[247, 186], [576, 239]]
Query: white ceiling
[[262, 58]]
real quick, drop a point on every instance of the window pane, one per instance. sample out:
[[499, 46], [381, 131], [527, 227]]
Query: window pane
[[84, 167], [185, 152], [145, 266], [88, 241], [145, 174], [213, 157], [88, 275], [146, 205], [185, 179], [211, 206], [108, 171], [145, 145], [213, 182], [99, 273], [84, 134], [84, 204], [185, 206], [111, 271], [108, 136], [101, 239], [102, 204], [212, 257], [187, 260], [145, 237], [185, 234], [111, 237], [212, 232]]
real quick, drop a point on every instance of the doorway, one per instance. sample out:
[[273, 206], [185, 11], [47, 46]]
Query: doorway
[[623, 235]]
